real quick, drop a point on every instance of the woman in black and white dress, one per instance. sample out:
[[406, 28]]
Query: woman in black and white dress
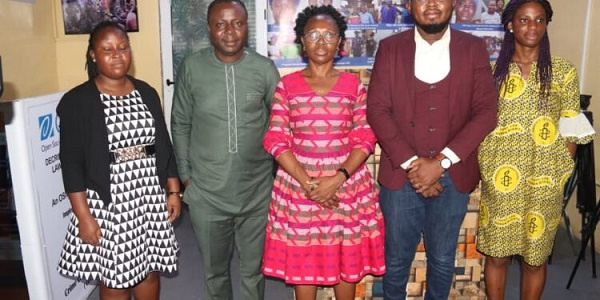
[[120, 175]]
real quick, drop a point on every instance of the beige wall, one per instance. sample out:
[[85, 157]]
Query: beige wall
[[70, 50], [28, 49], [567, 40], [591, 83], [38, 58], [566, 29]]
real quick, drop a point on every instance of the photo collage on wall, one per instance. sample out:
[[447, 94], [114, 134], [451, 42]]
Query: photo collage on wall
[[370, 21]]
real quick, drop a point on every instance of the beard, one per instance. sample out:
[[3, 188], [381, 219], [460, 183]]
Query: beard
[[433, 28]]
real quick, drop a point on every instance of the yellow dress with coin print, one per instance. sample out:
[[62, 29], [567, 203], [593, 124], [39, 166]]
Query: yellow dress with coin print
[[525, 163]]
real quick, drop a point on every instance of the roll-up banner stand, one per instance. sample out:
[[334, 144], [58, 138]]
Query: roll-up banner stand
[[43, 209]]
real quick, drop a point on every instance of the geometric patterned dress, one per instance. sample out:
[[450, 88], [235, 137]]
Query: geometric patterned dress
[[137, 237], [525, 163], [306, 243]]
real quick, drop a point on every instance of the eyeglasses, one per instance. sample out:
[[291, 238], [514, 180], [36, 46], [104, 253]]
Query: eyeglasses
[[315, 36], [421, 2]]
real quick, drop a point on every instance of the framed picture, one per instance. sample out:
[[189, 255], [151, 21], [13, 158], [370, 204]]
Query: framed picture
[[80, 16]]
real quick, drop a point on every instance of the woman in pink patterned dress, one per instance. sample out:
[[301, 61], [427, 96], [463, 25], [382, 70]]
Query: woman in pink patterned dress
[[325, 226]]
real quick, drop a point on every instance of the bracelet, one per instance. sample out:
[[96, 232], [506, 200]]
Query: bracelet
[[345, 172]]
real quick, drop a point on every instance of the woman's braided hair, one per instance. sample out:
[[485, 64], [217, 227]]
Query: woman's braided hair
[[544, 62]]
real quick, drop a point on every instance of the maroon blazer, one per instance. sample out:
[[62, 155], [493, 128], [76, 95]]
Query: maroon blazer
[[473, 103]]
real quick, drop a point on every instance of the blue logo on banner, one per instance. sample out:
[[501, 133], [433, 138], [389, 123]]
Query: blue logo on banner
[[57, 124], [46, 127]]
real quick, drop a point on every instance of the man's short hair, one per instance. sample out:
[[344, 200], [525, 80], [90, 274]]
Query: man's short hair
[[216, 2]]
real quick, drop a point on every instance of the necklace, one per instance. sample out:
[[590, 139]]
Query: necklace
[[524, 65]]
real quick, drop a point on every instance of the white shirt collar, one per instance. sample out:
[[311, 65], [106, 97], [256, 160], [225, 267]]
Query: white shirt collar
[[432, 62]]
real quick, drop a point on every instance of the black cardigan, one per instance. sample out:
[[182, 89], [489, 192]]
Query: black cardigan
[[84, 153]]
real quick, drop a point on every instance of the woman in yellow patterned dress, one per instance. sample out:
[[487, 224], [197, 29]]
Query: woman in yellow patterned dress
[[526, 161]]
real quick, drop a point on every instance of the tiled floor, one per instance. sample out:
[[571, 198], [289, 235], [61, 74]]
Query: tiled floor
[[187, 283]]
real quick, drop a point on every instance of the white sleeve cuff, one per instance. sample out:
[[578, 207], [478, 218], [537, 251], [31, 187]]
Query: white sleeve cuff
[[451, 155], [408, 162], [577, 126]]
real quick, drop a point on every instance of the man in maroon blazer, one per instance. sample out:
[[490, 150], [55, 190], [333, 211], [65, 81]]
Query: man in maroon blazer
[[431, 101]]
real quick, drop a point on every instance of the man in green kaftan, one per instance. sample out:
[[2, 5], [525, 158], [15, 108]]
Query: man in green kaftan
[[220, 114]]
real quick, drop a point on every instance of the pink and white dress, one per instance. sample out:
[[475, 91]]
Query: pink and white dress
[[306, 243]]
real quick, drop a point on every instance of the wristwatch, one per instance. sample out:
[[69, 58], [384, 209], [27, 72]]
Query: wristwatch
[[444, 161]]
